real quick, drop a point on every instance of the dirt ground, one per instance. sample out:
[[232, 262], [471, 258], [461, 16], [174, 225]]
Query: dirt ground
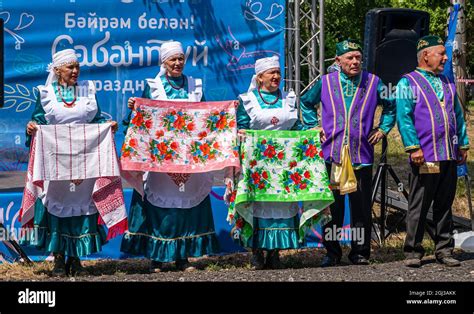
[[300, 265]]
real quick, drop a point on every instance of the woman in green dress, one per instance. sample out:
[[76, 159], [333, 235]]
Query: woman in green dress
[[65, 215], [174, 221], [266, 107]]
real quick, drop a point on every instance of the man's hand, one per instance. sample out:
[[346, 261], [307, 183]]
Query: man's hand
[[417, 157], [322, 135], [31, 128], [131, 103], [114, 126], [462, 156], [375, 136]]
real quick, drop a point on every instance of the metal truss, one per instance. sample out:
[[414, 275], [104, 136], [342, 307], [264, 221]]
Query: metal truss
[[304, 43]]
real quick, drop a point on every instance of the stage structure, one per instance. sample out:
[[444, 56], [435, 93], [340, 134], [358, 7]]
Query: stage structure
[[305, 64], [304, 53]]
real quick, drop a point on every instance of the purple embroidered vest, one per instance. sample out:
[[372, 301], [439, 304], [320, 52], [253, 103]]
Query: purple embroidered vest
[[359, 123], [435, 126]]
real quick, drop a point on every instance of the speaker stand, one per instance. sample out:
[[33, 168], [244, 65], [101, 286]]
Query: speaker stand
[[380, 180]]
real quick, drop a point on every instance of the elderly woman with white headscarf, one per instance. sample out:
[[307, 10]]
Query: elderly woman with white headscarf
[[266, 107], [174, 221], [66, 218]]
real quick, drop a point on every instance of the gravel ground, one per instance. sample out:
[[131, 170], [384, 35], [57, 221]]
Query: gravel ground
[[301, 266]]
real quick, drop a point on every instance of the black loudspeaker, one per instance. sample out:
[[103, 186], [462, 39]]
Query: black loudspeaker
[[390, 41], [1, 64]]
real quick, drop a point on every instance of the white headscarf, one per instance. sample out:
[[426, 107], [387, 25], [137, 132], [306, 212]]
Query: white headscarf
[[262, 65], [167, 50], [60, 58]]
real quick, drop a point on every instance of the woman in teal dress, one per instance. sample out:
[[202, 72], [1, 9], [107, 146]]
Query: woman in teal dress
[[174, 221], [65, 216], [266, 107]]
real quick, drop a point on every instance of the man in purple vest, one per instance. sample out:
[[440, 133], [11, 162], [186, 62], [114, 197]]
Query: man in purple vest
[[433, 131], [348, 100]]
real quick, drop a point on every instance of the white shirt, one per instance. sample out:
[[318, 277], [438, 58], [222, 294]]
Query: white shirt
[[260, 119]]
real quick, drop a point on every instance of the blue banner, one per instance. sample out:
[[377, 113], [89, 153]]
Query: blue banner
[[453, 20], [462, 170], [118, 45], [10, 208]]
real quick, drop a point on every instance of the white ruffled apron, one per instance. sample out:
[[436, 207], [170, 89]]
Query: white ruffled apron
[[63, 198], [177, 190], [272, 119]]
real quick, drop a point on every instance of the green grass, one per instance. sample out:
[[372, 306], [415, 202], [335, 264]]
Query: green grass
[[393, 249], [297, 259]]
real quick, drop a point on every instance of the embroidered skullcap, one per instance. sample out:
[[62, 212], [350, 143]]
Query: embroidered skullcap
[[428, 41], [348, 45]]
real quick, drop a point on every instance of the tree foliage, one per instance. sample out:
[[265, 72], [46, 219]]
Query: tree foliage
[[346, 19]]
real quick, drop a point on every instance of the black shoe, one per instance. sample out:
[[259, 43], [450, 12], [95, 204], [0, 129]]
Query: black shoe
[[329, 261], [359, 260], [184, 265], [414, 262], [74, 267], [273, 260], [59, 268], [155, 267], [448, 261], [257, 260]]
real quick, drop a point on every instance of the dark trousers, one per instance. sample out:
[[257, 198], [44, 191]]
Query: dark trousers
[[425, 189], [361, 215]]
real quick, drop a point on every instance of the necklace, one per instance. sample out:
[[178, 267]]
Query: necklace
[[172, 86], [270, 103], [67, 104]]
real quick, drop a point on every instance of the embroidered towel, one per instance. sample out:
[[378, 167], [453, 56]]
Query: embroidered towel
[[74, 152]]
